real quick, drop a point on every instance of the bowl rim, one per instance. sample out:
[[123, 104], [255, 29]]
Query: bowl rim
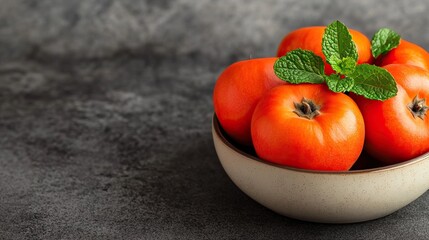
[[218, 132]]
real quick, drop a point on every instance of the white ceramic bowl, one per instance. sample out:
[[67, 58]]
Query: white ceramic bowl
[[323, 196]]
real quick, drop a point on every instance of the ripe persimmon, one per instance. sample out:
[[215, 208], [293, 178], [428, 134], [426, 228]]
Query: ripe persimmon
[[237, 91], [398, 129], [406, 53], [308, 126], [310, 38]]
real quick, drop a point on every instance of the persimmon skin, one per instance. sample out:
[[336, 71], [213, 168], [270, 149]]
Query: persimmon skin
[[406, 53], [237, 91], [332, 140], [393, 134], [310, 38]]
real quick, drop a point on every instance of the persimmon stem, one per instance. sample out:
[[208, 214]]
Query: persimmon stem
[[418, 107], [306, 109]]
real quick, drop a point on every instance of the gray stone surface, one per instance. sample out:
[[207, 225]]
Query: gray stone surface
[[105, 111]]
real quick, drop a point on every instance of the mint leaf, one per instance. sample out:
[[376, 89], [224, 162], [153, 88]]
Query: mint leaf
[[373, 82], [336, 84], [383, 41], [344, 66], [338, 47], [300, 66]]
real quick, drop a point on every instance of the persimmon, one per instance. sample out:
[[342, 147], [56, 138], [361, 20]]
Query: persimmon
[[310, 38], [237, 91], [406, 53], [308, 126], [398, 129]]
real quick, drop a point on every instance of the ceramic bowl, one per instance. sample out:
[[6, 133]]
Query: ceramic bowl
[[323, 196]]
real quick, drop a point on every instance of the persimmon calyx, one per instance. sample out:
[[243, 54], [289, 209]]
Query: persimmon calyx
[[306, 109], [418, 107]]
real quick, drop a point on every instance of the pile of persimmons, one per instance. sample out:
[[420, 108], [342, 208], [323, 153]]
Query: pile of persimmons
[[329, 95]]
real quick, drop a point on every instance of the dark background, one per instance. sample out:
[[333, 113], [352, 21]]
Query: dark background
[[105, 116]]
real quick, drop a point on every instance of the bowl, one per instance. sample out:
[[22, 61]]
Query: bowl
[[322, 196]]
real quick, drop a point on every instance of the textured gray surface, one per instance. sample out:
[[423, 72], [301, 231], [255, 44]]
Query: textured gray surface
[[105, 117]]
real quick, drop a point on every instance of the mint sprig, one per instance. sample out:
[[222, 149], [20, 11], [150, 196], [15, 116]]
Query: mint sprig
[[383, 41], [303, 66]]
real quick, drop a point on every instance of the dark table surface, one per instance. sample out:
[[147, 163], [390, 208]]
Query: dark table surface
[[105, 110]]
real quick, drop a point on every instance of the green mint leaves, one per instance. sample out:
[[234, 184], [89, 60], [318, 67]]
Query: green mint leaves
[[370, 81], [336, 84], [383, 41], [300, 66], [339, 49], [373, 82]]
